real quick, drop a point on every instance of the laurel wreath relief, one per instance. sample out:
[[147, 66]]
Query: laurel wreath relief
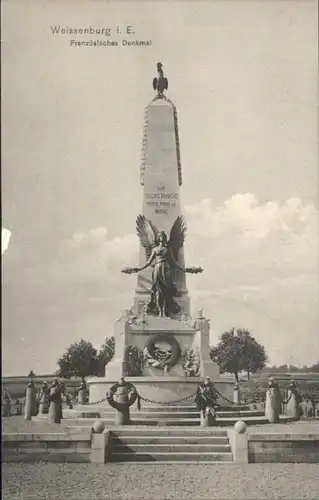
[[156, 357]]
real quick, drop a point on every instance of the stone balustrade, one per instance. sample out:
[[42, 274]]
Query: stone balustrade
[[46, 447]]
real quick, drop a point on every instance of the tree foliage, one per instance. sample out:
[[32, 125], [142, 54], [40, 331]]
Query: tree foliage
[[292, 369], [238, 351], [315, 368], [79, 360]]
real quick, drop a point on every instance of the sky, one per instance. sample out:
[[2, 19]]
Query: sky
[[244, 78]]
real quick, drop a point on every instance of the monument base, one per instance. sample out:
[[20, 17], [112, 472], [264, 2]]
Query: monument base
[[158, 390], [165, 382], [136, 330]]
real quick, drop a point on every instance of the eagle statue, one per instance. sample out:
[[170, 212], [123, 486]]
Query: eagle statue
[[160, 83]]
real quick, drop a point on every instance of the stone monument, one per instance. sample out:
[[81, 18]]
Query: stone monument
[[160, 315]]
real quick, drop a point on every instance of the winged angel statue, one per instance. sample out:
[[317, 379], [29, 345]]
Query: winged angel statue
[[162, 255]]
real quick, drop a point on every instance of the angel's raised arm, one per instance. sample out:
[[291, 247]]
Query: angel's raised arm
[[175, 263], [148, 262], [191, 270], [130, 270]]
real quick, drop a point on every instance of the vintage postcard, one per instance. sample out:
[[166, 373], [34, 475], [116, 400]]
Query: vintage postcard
[[160, 248]]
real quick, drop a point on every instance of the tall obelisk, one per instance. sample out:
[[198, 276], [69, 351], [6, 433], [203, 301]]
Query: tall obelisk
[[164, 372], [161, 178]]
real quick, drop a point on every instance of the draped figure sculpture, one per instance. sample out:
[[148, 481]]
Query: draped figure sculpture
[[162, 255]]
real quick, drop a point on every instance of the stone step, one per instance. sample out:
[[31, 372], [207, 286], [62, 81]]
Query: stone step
[[169, 448], [224, 421], [171, 415], [158, 408], [171, 457], [179, 462], [169, 440], [149, 408], [234, 408], [135, 422], [135, 432], [143, 414]]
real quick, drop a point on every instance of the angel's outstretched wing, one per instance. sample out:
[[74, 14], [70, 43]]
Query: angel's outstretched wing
[[177, 236], [147, 234]]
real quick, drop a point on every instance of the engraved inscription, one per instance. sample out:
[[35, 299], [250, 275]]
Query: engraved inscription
[[161, 200]]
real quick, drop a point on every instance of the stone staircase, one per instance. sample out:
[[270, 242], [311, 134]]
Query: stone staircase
[[145, 445], [161, 415]]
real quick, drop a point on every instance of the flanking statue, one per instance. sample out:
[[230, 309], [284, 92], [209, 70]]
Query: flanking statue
[[44, 398], [206, 397], [162, 254], [56, 391]]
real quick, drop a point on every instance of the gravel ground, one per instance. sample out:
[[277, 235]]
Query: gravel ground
[[175, 481], [25, 481]]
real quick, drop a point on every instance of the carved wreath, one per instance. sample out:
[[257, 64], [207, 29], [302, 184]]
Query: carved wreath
[[157, 358], [132, 396]]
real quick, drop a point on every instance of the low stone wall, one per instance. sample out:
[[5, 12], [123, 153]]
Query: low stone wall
[[246, 447], [46, 447], [287, 448]]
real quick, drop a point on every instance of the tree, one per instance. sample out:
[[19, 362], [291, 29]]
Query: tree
[[315, 368], [238, 351], [283, 368], [105, 355], [79, 360]]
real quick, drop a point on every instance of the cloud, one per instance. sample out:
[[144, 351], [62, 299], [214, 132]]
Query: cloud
[[270, 237], [241, 215], [92, 255], [239, 244], [260, 272]]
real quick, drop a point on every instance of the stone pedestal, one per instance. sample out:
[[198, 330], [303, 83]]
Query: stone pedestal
[[99, 447], [6, 407], [207, 419], [273, 405], [44, 399], [44, 407], [115, 369], [155, 383], [136, 330], [28, 407], [236, 396], [55, 413], [122, 416], [30, 401], [82, 396], [293, 405]]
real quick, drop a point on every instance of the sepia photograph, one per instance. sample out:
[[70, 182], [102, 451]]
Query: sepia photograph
[[159, 249]]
